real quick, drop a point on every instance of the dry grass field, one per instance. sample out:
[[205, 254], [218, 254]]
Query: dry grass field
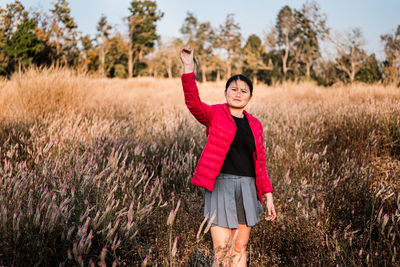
[[91, 168]]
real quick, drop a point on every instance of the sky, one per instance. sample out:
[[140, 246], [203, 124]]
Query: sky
[[373, 17]]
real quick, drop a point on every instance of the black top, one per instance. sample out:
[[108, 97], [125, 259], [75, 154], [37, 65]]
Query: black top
[[239, 159]]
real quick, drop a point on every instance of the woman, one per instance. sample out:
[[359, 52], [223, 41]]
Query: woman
[[231, 168]]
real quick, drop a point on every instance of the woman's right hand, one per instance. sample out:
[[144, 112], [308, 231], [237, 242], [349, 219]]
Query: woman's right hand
[[187, 59]]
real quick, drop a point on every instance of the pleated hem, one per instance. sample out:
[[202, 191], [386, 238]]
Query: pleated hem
[[227, 192]]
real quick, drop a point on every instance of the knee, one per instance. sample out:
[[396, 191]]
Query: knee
[[221, 249], [239, 246]]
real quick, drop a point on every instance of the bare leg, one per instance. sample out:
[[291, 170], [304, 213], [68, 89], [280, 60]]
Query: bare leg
[[222, 239], [239, 250]]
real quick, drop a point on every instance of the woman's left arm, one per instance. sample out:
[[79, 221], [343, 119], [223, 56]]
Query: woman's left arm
[[270, 207], [267, 186]]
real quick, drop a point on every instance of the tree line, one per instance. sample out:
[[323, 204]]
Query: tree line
[[290, 50]]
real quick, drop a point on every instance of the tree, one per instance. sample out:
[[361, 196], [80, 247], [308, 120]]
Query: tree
[[229, 39], [13, 15], [311, 28], [350, 52], [103, 29], [392, 52], [297, 33], [142, 30], [117, 57], [218, 66], [325, 72], [62, 33], [43, 32], [285, 29], [189, 29], [201, 37], [273, 72], [24, 46], [3, 41], [205, 36], [369, 71], [165, 60], [253, 52], [271, 58], [270, 39], [90, 54]]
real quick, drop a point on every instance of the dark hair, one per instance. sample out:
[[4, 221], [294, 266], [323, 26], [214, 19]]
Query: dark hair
[[242, 78]]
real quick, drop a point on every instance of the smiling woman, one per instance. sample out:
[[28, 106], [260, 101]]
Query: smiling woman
[[231, 168]]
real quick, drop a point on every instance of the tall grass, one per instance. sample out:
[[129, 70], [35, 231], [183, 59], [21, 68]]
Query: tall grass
[[90, 169]]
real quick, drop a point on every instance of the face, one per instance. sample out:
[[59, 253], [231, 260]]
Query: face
[[238, 94]]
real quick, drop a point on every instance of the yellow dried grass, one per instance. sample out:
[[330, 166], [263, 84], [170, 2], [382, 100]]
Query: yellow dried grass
[[38, 92]]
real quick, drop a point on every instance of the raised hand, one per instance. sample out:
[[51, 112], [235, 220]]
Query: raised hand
[[187, 59]]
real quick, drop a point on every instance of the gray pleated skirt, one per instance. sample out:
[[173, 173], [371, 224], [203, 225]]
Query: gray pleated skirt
[[235, 200]]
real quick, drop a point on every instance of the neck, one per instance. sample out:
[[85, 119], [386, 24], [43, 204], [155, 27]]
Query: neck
[[237, 112]]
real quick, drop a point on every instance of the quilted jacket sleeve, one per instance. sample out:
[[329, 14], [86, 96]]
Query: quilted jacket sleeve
[[266, 186], [201, 111]]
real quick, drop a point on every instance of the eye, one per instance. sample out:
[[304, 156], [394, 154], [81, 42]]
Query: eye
[[244, 91]]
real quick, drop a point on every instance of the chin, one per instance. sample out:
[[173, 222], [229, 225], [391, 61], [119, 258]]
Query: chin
[[234, 105]]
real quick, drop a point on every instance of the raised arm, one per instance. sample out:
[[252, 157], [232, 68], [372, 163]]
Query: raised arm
[[201, 111]]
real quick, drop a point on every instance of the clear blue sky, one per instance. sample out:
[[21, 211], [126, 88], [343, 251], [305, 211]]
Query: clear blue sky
[[254, 16]]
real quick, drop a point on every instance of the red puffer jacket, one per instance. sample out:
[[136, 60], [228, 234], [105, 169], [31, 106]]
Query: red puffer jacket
[[220, 131]]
